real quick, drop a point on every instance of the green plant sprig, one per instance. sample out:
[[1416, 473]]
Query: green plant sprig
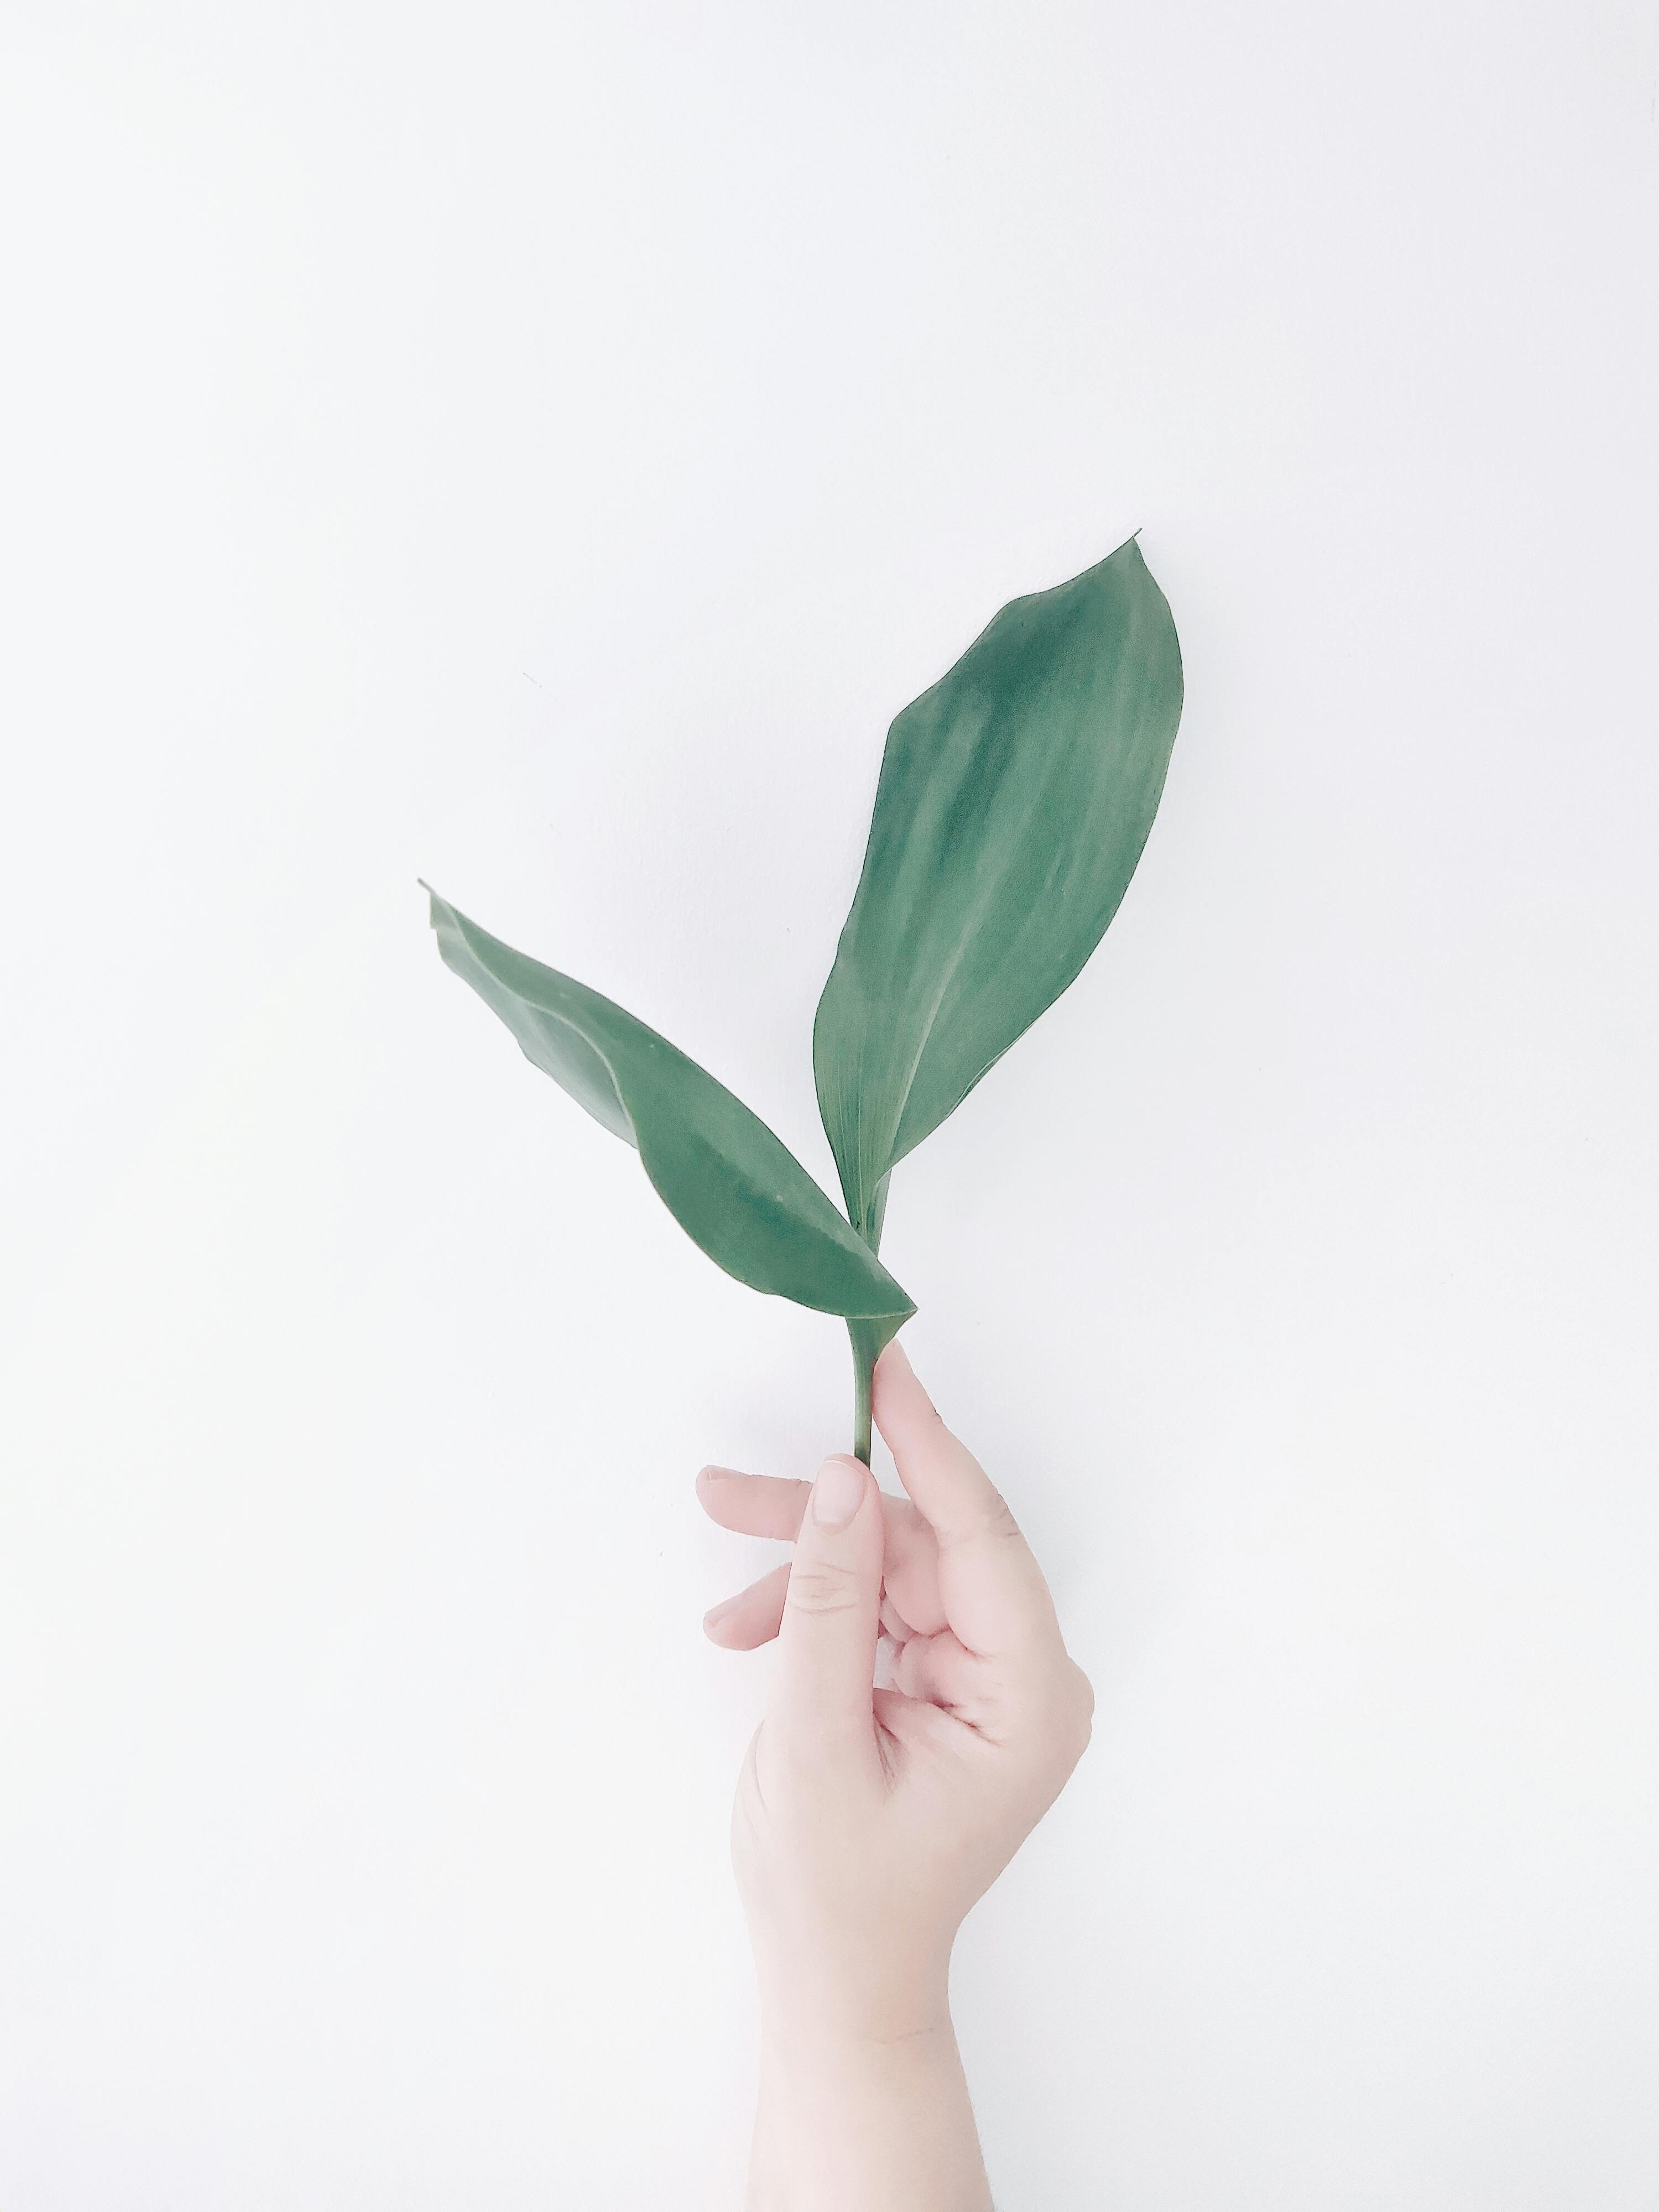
[[1014, 801]]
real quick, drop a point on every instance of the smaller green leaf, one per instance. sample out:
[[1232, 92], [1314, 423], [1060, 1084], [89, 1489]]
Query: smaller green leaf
[[733, 1185]]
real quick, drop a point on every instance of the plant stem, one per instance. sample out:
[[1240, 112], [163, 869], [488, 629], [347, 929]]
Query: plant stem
[[868, 1337], [868, 1342], [862, 1371]]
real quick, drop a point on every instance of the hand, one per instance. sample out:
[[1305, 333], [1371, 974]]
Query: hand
[[869, 1820]]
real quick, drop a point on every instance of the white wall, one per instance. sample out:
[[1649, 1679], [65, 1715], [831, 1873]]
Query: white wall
[[539, 447]]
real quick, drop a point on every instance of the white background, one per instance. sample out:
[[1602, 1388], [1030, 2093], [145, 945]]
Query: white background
[[539, 447]]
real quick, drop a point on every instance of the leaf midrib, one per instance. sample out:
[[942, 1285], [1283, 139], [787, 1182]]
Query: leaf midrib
[[974, 917]]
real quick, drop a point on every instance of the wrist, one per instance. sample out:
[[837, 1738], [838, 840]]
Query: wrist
[[844, 1998], [851, 2116], [821, 2041]]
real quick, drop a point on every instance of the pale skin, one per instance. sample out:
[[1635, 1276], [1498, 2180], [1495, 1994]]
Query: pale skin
[[869, 1820]]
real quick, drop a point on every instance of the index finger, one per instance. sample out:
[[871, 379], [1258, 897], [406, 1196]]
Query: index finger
[[992, 1588]]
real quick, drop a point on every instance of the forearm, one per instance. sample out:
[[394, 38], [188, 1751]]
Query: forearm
[[853, 2123]]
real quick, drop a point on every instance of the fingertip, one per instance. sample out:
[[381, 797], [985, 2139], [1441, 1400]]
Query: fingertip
[[895, 1378], [746, 1622], [717, 1614], [707, 1484], [907, 1417], [841, 1488], [894, 1365], [732, 1629]]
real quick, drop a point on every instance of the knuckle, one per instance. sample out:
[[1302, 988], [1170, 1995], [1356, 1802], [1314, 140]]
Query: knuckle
[[1001, 1525], [1067, 1710], [824, 1587], [995, 1525], [1081, 1706]]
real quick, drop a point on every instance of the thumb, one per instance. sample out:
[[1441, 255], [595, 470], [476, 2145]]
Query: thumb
[[992, 1590], [826, 1658]]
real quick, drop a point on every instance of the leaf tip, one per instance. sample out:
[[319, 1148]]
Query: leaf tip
[[438, 908]]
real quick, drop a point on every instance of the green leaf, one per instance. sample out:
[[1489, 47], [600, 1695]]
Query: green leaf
[[1015, 798], [728, 1182]]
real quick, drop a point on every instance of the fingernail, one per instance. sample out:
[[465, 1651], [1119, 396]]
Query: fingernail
[[715, 1473], [717, 1613], [838, 1491]]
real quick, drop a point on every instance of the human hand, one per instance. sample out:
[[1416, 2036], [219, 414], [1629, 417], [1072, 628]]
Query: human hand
[[869, 1820]]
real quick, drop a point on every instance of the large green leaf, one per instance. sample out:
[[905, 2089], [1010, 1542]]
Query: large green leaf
[[1014, 800], [730, 1183]]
